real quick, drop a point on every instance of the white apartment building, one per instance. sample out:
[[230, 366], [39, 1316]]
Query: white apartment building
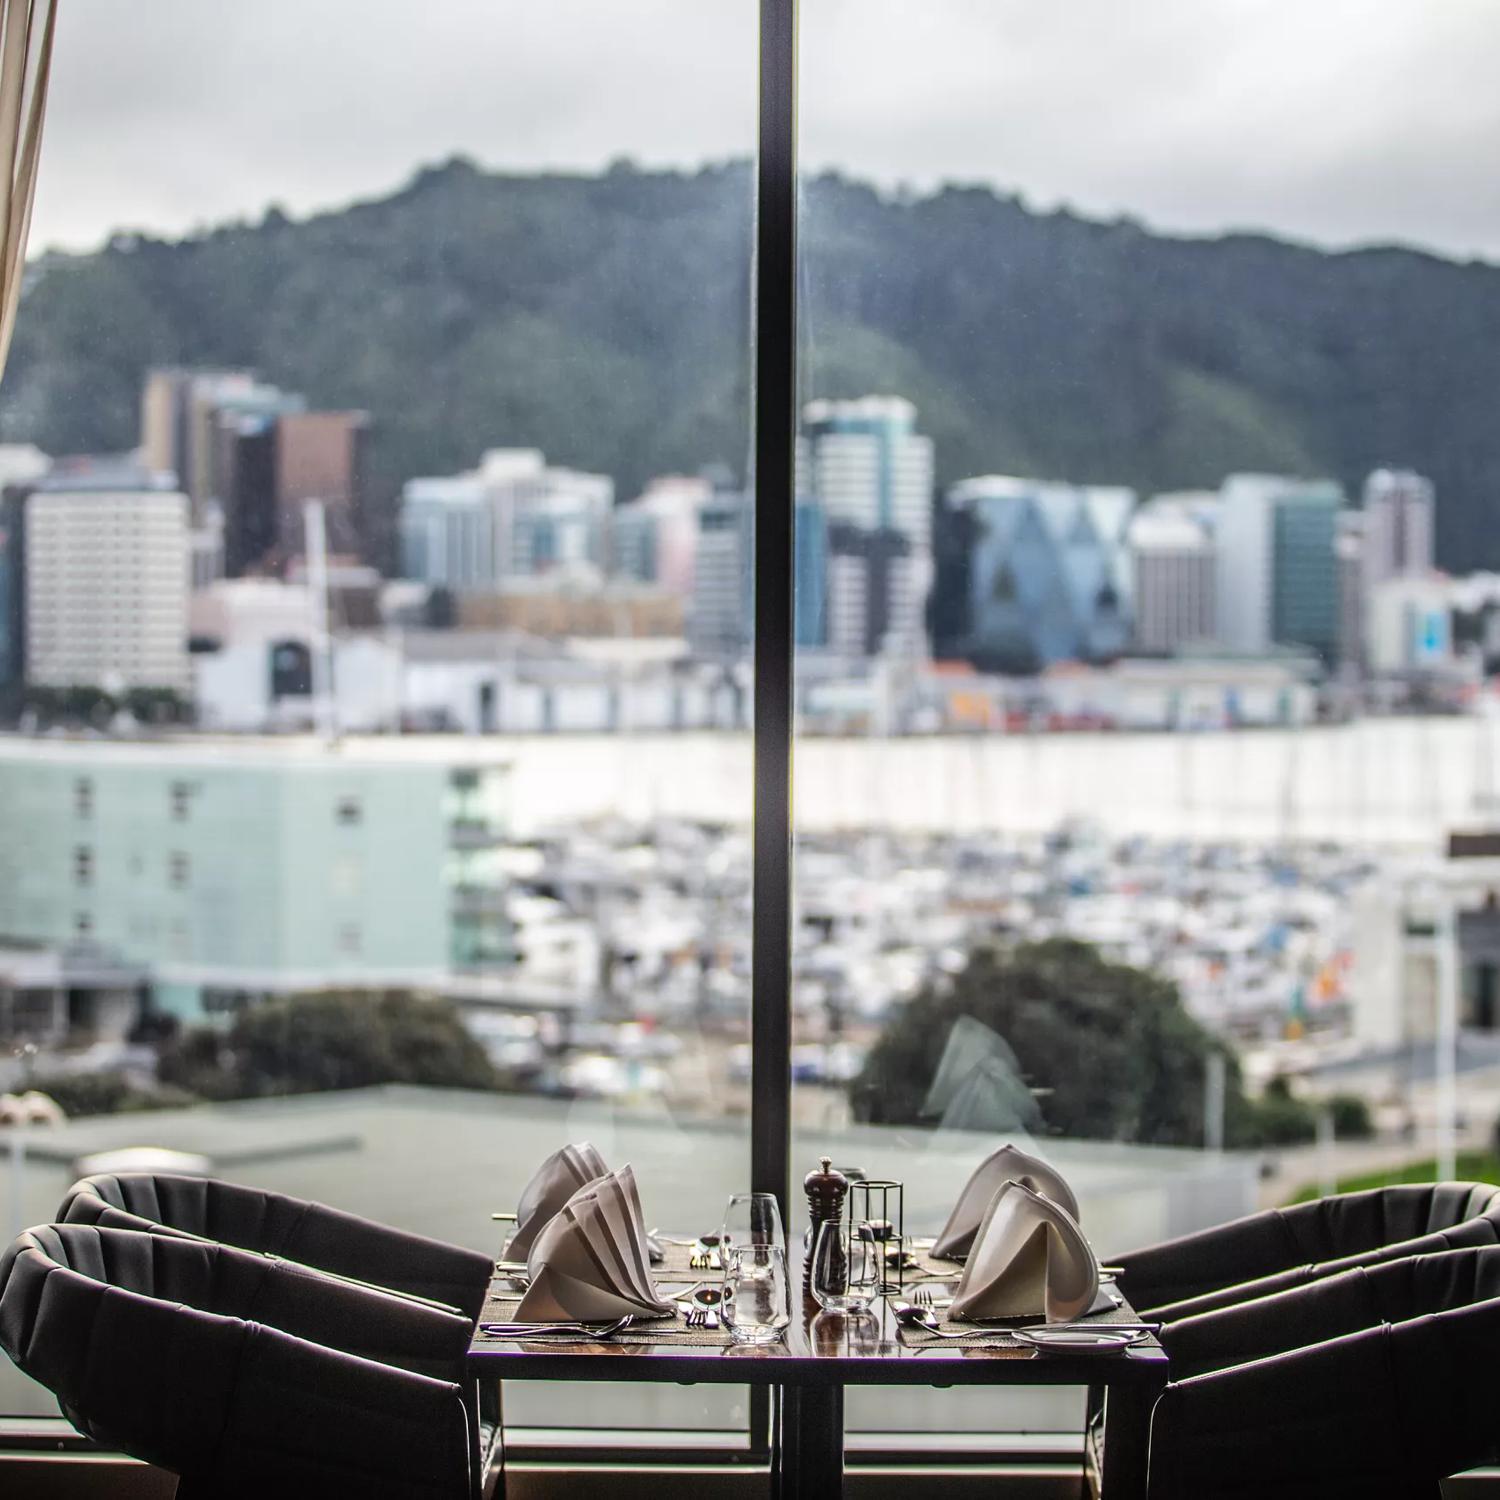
[[868, 466], [107, 579], [513, 516], [1175, 573]]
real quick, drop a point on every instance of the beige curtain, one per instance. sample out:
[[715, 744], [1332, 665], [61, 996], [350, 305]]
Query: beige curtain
[[25, 68]]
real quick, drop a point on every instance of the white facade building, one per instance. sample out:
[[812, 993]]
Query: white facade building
[[1408, 625], [513, 516], [1174, 567], [107, 576]]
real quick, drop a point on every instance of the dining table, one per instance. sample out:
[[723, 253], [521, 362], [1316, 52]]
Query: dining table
[[821, 1354]]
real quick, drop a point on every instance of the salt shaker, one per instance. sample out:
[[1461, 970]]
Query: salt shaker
[[826, 1190]]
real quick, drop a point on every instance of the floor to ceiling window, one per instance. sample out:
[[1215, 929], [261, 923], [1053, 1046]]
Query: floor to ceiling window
[[395, 772], [377, 790], [1136, 699]]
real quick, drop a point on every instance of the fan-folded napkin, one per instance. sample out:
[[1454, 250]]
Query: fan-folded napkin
[[1008, 1164], [590, 1259], [1029, 1258], [551, 1185]]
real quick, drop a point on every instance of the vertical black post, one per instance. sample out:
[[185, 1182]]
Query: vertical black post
[[775, 458]]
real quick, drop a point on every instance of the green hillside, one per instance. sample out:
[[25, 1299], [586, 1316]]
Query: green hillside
[[605, 319]]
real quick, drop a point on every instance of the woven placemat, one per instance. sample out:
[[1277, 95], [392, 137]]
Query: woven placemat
[[504, 1298], [1000, 1334]]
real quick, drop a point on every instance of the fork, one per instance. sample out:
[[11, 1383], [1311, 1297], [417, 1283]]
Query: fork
[[702, 1317], [927, 1296]]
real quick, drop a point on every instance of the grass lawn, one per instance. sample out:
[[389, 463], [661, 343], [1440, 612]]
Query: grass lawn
[[1473, 1166]]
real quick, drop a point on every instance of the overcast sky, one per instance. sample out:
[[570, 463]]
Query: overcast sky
[[1336, 121]]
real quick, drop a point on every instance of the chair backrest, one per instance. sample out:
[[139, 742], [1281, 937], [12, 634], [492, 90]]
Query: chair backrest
[[254, 1219], [114, 1324], [1280, 1248], [1386, 1412], [1329, 1307]]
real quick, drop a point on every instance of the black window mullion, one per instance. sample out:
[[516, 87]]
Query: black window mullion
[[775, 458]]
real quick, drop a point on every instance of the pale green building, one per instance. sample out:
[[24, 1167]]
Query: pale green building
[[207, 872]]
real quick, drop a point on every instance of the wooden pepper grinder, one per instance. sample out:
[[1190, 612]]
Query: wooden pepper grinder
[[826, 1190]]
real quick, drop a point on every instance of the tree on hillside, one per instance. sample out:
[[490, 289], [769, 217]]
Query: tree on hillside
[[1109, 1051], [301, 1044]]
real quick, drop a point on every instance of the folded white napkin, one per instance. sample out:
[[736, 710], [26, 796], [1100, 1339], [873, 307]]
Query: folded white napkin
[[1008, 1164], [590, 1259], [551, 1185], [1029, 1258]]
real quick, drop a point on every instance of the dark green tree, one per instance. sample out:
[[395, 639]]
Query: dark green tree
[[1110, 1050], [331, 1040]]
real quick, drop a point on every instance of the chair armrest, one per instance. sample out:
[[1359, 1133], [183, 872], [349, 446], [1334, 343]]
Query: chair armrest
[[307, 1420], [1321, 1421]]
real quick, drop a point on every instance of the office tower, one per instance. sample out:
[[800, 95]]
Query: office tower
[[512, 517], [245, 491], [720, 621], [180, 421], [654, 538], [1349, 551], [811, 577], [448, 533], [1171, 541], [1277, 576], [106, 548], [1049, 575], [869, 470], [21, 467], [1399, 517], [321, 455]]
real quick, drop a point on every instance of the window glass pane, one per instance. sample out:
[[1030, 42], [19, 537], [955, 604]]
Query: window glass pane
[[377, 817], [1132, 713]]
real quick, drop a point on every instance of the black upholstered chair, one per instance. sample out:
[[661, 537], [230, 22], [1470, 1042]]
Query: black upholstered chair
[[273, 1224], [164, 1348], [1281, 1248], [1371, 1384], [1392, 1291]]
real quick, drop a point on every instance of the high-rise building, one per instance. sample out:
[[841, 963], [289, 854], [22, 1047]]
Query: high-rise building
[[21, 467], [811, 577], [720, 623], [189, 418], [1171, 539], [1277, 577], [866, 467], [106, 550], [244, 491], [512, 517], [181, 421], [320, 455], [1049, 575], [448, 533], [1399, 517], [654, 538]]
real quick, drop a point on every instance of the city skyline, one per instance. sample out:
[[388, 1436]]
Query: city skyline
[[1163, 120]]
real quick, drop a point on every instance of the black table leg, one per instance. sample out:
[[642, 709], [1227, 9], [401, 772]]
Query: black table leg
[[810, 1455], [1126, 1438]]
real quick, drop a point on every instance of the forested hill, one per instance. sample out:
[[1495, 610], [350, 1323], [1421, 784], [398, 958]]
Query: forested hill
[[605, 319]]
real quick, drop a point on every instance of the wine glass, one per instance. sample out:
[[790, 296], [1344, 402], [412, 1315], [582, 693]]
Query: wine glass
[[846, 1267], [751, 1219], [757, 1305]]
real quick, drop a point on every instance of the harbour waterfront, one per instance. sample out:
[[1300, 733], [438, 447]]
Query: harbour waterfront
[[1398, 784]]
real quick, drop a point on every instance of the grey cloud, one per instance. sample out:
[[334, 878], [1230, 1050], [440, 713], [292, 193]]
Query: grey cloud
[[1343, 121]]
